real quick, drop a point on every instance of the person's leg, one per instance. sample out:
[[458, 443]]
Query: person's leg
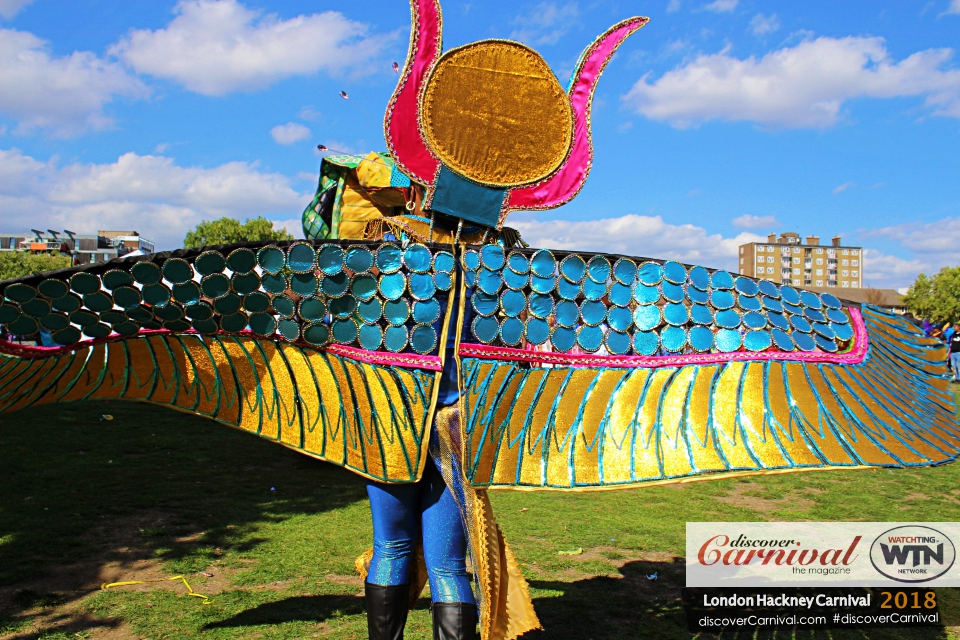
[[445, 553], [955, 360], [396, 527]]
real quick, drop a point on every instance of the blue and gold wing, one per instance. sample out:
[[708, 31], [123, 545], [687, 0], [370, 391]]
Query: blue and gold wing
[[594, 371]]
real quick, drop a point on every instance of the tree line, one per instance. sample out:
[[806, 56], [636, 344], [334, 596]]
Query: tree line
[[14, 264]]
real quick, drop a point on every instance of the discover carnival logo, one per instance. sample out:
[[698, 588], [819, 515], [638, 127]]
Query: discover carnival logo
[[839, 554], [912, 554], [743, 550]]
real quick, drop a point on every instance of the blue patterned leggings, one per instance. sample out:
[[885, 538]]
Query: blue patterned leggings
[[400, 513]]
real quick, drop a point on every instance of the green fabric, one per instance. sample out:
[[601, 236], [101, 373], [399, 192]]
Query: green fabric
[[333, 173]]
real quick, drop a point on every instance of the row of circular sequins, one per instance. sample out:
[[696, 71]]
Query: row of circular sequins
[[648, 297], [340, 298]]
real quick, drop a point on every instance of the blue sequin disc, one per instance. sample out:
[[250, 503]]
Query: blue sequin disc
[[646, 317], [538, 331], [673, 339], [618, 318], [512, 331], [701, 339], [567, 313], [728, 340], [513, 302], [646, 343]]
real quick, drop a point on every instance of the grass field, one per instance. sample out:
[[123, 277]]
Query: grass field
[[272, 535]]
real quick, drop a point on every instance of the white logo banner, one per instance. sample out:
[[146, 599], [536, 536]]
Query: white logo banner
[[835, 554]]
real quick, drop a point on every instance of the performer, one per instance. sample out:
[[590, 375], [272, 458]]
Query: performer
[[402, 515]]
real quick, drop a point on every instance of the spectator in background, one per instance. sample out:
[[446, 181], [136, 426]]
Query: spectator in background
[[955, 352], [947, 337]]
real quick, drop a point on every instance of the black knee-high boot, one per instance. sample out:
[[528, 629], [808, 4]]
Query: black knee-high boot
[[386, 610], [454, 621]]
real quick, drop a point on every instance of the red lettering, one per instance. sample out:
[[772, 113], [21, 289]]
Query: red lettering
[[853, 545], [713, 554]]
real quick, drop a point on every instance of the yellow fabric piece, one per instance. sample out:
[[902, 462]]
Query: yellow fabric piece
[[284, 392], [506, 609], [494, 112], [190, 591], [358, 209]]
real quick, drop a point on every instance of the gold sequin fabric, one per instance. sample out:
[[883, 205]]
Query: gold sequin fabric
[[587, 428], [367, 418], [494, 112]]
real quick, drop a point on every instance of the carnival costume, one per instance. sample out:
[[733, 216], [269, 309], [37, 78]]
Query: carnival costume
[[560, 369]]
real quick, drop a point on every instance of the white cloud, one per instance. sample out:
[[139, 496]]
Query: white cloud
[[214, 47], [673, 6], [151, 194], [310, 114], [722, 6], [843, 187], [10, 8], [748, 221], [884, 271], [929, 245], [546, 23], [801, 86], [635, 235], [762, 25], [62, 94], [289, 133], [954, 8]]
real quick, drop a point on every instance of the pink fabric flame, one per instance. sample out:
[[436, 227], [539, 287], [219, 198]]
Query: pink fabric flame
[[563, 186], [401, 123]]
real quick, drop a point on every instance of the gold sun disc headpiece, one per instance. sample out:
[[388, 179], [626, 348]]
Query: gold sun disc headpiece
[[494, 112]]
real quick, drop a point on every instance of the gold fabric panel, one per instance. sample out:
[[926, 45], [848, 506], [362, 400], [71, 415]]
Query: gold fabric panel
[[604, 428], [252, 385], [494, 112]]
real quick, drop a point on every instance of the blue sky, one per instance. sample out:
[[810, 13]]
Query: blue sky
[[718, 122]]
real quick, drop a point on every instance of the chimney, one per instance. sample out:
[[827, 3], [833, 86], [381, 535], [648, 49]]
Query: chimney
[[813, 241], [772, 237], [835, 240]]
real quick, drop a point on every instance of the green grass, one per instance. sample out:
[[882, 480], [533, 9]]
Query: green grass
[[154, 493]]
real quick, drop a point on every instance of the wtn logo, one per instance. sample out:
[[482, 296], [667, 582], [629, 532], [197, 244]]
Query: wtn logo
[[912, 554], [900, 554]]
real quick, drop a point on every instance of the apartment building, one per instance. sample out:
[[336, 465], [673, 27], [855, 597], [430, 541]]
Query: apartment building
[[803, 262], [83, 248]]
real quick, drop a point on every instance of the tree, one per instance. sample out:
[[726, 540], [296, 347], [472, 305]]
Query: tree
[[937, 298], [229, 230], [14, 264]]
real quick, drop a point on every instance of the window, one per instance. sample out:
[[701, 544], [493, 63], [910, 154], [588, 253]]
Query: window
[[770, 259], [796, 260], [855, 252], [855, 273], [759, 258], [741, 260], [844, 262], [819, 272], [820, 251], [846, 284], [770, 270], [741, 249], [844, 273], [854, 285], [819, 283], [819, 260], [796, 271], [846, 252], [854, 263]]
